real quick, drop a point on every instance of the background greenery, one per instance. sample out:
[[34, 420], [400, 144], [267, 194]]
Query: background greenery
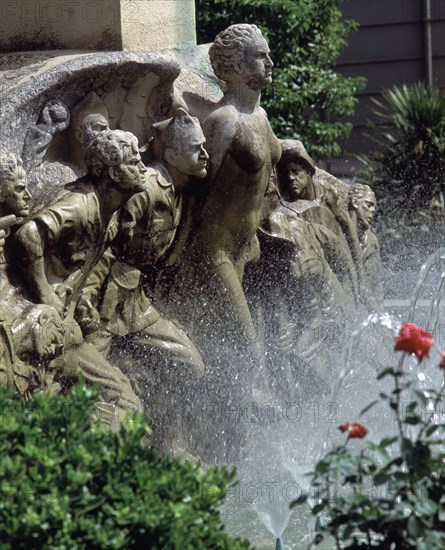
[[407, 170], [67, 483], [305, 38]]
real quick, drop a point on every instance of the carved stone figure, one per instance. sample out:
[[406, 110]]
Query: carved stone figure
[[14, 204], [319, 199], [54, 118], [297, 298], [122, 284], [30, 336], [27, 345], [62, 242], [362, 205], [88, 119], [14, 194], [243, 151]]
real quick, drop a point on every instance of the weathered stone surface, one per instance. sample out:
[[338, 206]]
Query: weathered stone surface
[[96, 25], [138, 90], [126, 82], [181, 250], [157, 24]]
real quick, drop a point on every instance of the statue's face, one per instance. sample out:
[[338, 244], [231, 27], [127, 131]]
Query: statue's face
[[298, 181], [14, 195], [93, 125], [366, 207], [191, 159], [129, 175], [96, 124], [256, 65]]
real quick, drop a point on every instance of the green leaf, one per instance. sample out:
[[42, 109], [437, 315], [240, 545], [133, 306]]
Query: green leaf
[[318, 508], [414, 527], [389, 371], [386, 441], [380, 478], [369, 407], [300, 500], [412, 419], [431, 429]]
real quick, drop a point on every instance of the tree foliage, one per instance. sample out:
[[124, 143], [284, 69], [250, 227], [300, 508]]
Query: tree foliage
[[69, 484], [305, 38]]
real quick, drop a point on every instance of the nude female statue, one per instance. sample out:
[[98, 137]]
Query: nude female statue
[[209, 298], [243, 151]]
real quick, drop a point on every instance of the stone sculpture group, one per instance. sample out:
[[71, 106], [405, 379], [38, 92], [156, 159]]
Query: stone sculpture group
[[225, 265]]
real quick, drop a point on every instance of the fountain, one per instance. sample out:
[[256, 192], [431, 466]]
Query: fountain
[[155, 277], [281, 444]]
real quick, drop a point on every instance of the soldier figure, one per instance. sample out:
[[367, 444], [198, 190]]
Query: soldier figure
[[119, 303], [30, 335], [61, 245]]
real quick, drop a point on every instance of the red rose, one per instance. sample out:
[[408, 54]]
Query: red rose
[[344, 427], [442, 363], [356, 430], [414, 340]]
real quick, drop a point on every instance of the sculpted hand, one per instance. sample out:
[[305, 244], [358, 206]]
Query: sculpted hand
[[87, 316], [50, 298]]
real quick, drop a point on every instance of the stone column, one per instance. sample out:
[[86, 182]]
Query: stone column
[[113, 25]]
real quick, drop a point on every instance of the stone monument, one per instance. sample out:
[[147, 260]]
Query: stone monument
[[168, 253], [109, 25]]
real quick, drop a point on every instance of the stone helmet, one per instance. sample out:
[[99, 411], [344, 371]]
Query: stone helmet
[[294, 151]]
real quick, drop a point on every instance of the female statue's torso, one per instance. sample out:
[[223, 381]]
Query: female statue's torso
[[231, 213]]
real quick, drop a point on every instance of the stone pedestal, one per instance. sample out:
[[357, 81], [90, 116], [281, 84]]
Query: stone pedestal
[[113, 25]]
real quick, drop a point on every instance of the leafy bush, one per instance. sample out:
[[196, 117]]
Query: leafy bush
[[67, 483], [410, 465], [305, 39], [408, 170]]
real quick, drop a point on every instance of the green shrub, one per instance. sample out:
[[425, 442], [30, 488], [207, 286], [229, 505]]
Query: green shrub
[[67, 483], [407, 171], [390, 494], [305, 38]]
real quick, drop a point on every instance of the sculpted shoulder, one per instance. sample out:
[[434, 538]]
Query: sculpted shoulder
[[221, 123], [223, 112]]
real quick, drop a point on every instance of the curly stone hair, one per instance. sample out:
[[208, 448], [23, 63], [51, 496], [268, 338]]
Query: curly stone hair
[[107, 149], [10, 166], [358, 191], [228, 46]]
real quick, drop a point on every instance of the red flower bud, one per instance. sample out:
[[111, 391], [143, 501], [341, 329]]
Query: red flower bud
[[356, 430], [442, 363], [414, 340]]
